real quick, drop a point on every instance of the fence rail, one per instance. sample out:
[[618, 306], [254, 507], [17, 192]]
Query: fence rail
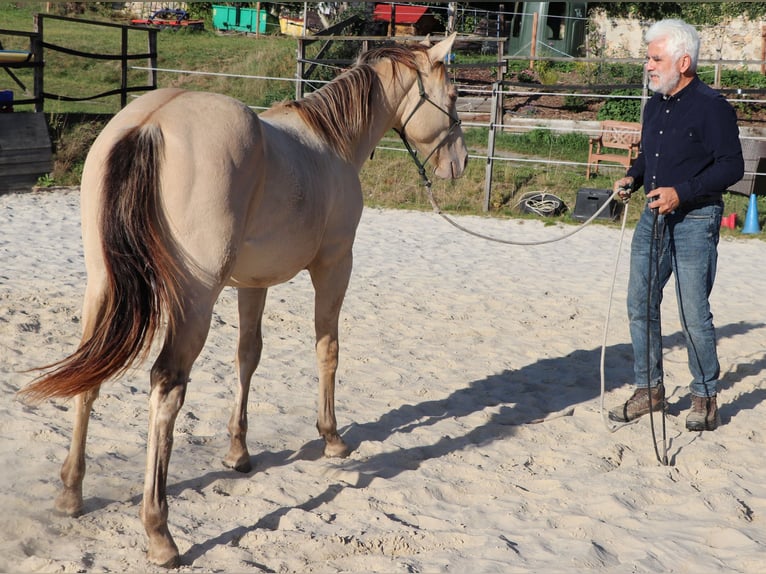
[[38, 46]]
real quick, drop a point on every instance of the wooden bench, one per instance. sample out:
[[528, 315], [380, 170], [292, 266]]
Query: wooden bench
[[613, 136]]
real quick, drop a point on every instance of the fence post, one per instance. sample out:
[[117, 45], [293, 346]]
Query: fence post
[[39, 60], [299, 71], [496, 105], [124, 66], [644, 95], [152, 45]]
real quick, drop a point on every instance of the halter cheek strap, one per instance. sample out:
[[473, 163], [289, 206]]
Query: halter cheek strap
[[454, 122]]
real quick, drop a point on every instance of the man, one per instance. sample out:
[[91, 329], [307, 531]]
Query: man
[[690, 154]]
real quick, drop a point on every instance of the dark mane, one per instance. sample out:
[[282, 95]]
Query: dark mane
[[340, 110]]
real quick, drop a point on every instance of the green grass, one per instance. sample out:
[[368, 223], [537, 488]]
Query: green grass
[[389, 180], [68, 75]]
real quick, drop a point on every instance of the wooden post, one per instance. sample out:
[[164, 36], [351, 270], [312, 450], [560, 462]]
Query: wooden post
[[257, 19], [39, 60], [763, 49], [451, 16], [533, 45], [152, 42], [392, 23], [124, 66], [644, 95], [494, 113], [299, 71], [501, 69]]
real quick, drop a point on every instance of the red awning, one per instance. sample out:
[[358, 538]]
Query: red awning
[[404, 14]]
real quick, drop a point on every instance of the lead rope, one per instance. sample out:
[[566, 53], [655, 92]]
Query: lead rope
[[436, 209], [612, 428], [427, 183]]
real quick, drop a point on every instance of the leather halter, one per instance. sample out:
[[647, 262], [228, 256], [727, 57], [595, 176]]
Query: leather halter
[[454, 122]]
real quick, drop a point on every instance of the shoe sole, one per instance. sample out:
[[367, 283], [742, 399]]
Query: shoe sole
[[705, 426], [620, 418]]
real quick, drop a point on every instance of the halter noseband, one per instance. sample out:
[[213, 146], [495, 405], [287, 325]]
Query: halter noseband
[[454, 122]]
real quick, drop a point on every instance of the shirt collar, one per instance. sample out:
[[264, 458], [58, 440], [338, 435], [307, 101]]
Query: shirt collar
[[687, 88]]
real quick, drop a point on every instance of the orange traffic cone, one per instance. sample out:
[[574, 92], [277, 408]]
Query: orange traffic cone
[[729, 221]]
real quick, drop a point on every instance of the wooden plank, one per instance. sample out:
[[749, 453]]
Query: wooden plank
[[25, 150]]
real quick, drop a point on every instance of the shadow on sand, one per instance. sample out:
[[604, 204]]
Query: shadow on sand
[[569, 380]]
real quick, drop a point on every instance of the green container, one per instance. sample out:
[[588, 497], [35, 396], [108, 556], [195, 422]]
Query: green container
[[243, 19], [224, 17]]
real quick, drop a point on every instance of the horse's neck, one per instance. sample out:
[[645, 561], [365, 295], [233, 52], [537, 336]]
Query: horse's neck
[[389, 101]]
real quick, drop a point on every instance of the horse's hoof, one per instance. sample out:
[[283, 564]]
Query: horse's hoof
[[240, 464], [69, 503], [173, 562], [336, 448], [166, 558]]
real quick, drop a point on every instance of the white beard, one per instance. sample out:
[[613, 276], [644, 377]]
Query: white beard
[[664, 85]]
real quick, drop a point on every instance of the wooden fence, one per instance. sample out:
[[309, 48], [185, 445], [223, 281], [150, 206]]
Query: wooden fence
[[38, 47], [305, 68]]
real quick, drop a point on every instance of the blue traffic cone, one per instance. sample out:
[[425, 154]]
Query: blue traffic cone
[[751, 219]]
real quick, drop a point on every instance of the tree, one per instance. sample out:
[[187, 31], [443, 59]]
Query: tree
[[692, 12]]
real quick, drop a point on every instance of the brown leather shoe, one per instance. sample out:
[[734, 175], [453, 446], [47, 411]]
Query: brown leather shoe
[[704, 414], [638, 404]]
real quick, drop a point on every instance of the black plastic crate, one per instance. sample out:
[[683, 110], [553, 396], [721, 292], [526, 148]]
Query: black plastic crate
[[589, 201]]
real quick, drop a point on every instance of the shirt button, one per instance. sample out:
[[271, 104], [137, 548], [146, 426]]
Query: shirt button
[[662, 132], [656, 155], [667, 111]]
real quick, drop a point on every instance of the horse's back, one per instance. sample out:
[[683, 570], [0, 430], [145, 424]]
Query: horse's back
[[211, 175], [311, 205]]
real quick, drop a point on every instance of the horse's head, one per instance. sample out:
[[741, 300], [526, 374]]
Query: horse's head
[[428, 116]]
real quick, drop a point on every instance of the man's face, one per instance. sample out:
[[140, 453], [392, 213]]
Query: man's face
[[664, 73]]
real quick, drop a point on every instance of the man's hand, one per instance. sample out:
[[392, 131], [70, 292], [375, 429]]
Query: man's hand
[[624, 187], [664, 199]]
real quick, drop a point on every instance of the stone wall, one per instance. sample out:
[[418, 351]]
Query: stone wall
[[739, 39]]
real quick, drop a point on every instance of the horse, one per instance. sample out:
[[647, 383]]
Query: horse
[[184, 193]]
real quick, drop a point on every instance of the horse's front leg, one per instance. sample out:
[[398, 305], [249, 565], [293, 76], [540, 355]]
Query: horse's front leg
[[69, 500], [330, 285], [251, 303]]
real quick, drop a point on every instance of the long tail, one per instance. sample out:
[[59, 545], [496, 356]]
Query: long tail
[[142, 273]]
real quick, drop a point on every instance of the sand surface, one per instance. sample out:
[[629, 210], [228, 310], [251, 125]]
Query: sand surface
[[468, 388]]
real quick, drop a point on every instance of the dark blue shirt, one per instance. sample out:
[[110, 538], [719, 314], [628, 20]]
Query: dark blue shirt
[[689, 141]]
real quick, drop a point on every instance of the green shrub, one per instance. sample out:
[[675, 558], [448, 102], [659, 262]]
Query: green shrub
[[622, 109]]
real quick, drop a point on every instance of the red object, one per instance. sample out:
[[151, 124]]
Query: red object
[[404, 14], [168, 18], [729, 221]]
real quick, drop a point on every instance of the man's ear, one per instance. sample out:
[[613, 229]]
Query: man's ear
[[684, 63]]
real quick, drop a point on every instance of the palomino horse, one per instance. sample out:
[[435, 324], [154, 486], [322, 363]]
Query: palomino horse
[[184, 193]]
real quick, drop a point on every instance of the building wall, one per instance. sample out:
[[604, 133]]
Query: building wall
[[146, 9], [739, 39]]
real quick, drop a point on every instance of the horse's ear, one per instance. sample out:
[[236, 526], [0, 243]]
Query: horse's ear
[[426, 42], [438, 52]]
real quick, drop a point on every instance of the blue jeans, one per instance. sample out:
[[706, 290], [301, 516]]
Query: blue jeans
[[689, 249]]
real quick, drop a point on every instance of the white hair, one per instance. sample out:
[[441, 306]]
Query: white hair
[[681, 39]]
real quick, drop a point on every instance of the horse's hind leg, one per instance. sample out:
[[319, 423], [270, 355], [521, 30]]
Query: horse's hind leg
[[69, 500], [330, 283], [169, 378], [251, 304]]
